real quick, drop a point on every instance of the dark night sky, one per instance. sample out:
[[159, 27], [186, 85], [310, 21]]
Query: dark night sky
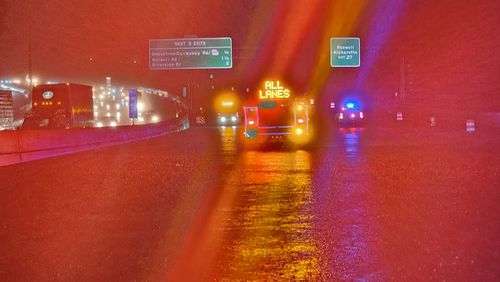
[[450, 48], [67, 34]]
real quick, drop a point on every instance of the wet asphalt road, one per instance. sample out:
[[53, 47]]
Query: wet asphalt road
[[361, 204]]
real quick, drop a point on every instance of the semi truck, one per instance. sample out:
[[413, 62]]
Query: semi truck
[[276, 115], [64, 105]]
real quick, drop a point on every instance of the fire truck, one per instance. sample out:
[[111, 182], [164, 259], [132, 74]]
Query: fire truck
[[276, 115]]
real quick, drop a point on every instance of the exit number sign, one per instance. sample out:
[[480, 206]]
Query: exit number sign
[[345, 52]]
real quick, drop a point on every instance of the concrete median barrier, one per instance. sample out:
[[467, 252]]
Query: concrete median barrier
[[27, 145]]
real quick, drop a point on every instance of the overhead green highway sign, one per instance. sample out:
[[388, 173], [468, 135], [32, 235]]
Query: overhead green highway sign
[[191, 53], [345, 52]]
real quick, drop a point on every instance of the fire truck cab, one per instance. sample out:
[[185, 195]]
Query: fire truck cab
[[276, 116]]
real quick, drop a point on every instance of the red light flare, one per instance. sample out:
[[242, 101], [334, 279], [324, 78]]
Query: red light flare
[[286, 33], [297, 43]]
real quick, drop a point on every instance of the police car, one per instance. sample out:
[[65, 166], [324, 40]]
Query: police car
[[350, 114]]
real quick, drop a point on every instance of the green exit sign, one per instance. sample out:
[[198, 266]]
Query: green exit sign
[[345, 52], [191, 53]]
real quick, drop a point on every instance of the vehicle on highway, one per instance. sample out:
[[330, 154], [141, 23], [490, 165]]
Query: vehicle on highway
[[226, 107], [276, 116], [350, 114], [107, 122], [63, 105], [228, 119]]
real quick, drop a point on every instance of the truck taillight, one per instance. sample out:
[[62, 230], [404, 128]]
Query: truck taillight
[[341, 116], [251, 116], [361, 115]]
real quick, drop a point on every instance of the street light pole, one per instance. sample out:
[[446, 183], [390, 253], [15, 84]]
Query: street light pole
[[30, 76], [403, 78]]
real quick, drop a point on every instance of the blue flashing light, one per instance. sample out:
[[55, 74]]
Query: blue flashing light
[[350, 105]]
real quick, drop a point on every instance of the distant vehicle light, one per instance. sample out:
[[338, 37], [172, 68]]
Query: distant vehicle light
[[341, 116], [299, 131], [113, 124], [223, 119], [227, 103], [155, 119], [361, 115], [99, 124], [251, 122], [350, 105], [301, 121], [233, 118]]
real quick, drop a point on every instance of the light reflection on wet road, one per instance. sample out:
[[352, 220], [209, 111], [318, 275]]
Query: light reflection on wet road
[[270, 226], [354, 207], [277, 220], [344, 224]]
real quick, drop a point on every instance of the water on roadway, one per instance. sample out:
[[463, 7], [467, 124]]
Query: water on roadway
[[362, 204]]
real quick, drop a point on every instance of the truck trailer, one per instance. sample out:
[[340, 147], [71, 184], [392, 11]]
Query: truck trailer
[[64, 105]]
